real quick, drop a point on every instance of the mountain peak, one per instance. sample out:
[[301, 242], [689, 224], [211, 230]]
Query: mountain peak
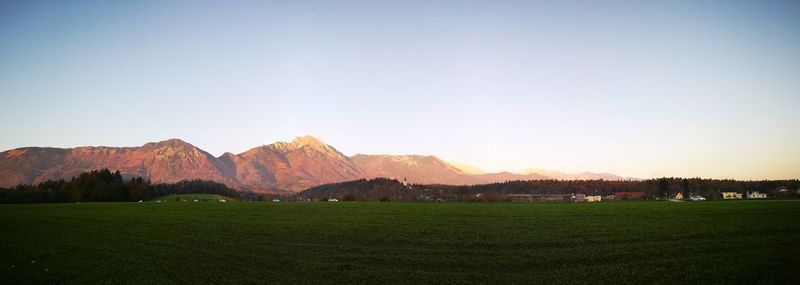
[[307, 140], [307, 143], [16, 152], [170, 147], [170, 142]]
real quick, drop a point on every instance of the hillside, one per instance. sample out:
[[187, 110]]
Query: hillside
[[278, 167], [281, 167], [166, 161], [359, 190]]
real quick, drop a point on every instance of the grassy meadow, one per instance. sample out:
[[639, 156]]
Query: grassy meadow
[[394, 243]]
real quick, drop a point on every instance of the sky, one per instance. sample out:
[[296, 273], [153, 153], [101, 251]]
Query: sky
[[635, 88]]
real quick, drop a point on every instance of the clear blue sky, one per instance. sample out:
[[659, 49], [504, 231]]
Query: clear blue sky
[[636, 88]]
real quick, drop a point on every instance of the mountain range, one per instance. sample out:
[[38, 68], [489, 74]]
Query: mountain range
[[281, 167]]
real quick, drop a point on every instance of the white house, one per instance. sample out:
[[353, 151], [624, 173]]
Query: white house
[[756, 195], [731, 195], [223, 200], [593, 198], [333, 200]]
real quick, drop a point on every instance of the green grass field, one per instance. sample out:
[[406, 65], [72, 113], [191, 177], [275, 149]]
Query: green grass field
[[388, 243]]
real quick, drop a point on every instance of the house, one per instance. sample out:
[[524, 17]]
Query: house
[[679, 196], [223, 201], [276, 200], [333, 200], [756, 195], [578, 197], [731, 195], [594, 198], [629, 195]]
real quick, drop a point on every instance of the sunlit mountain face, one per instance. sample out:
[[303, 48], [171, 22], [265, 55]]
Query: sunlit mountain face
[[278, 167]]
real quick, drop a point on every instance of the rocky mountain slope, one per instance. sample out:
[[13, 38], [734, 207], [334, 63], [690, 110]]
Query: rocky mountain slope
[[413, 169], [278, 167]]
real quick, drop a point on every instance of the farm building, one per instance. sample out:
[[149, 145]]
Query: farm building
[[756, 195], [556, 197], [731, 195], [783, 192], [520, 198], [629, 195], [578, 197], [594, 198]]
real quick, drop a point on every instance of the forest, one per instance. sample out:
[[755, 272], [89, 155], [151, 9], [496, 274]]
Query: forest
[[106, 186]]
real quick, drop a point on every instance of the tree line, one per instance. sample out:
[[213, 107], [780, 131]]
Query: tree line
[[378, 189], [106, 186], [382, 189], [652, 188]]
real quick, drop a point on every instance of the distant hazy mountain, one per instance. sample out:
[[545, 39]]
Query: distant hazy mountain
[[553, 174], [278, 167], [508, 176], [413, 169]]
